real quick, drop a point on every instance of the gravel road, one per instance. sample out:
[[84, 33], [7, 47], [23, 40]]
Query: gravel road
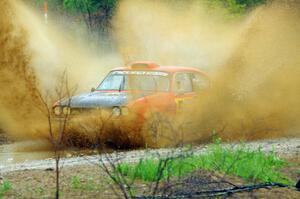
[[285, 147]]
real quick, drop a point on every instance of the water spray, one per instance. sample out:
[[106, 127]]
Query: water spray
[[46, 11]]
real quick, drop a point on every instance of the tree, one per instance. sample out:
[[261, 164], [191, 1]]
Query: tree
[[52, 4], [96, 14], [236, 7], [57, 125]]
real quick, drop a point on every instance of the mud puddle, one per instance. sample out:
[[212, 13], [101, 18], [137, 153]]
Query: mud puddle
[[8, 155], [26, 151]]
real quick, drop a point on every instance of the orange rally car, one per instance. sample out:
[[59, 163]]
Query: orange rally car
[[138, 89]]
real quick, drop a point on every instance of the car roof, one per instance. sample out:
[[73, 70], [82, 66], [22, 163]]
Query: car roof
[[154, 67]]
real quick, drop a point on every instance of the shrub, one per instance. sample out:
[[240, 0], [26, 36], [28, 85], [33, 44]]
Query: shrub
[[254, 165]]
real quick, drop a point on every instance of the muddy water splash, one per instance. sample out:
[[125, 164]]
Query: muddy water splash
[[254, 62], [18, 82], [257, 91], [178, 33], [33, 55]]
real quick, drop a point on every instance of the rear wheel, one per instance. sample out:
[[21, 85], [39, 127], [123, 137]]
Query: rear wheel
[[158, 131]]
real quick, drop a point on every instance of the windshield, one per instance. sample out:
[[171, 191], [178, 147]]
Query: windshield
[[136, 80]]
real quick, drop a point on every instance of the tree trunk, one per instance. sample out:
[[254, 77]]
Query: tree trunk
[[57, 157]]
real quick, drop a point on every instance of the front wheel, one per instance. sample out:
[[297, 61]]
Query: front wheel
[[158, 131]]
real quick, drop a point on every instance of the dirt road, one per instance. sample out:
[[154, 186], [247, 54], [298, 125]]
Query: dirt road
[[285, 147]]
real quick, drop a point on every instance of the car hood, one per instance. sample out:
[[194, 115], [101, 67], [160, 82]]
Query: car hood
[[97, 99]]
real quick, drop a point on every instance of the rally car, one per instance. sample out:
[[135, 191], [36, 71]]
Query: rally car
[[143, 89]]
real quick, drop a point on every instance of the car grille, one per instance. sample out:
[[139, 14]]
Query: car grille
[[78, 111]]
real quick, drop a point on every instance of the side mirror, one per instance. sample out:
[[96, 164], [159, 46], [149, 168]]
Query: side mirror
[[93, 89]]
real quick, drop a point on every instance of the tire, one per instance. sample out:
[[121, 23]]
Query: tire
[[158, 131]]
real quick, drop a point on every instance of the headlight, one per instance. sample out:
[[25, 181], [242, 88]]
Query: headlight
[[57, 110], [67, 110], [116, 111]]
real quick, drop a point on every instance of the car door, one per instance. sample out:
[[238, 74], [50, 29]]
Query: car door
[[200, 82], [183, 89]]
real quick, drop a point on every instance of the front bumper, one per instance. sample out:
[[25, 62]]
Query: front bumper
[[60, 111]]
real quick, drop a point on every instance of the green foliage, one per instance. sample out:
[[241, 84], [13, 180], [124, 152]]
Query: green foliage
[[238, 6], [39, 190], [242, 162], [250, 3], [80, 5], [77, 184], [5, 187], [96, 14], [245, 163], [235, 7], [52, 4], [91, 6]]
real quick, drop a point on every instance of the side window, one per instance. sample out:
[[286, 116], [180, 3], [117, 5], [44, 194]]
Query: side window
[[183, 83], [200, 82], [112, 82]]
